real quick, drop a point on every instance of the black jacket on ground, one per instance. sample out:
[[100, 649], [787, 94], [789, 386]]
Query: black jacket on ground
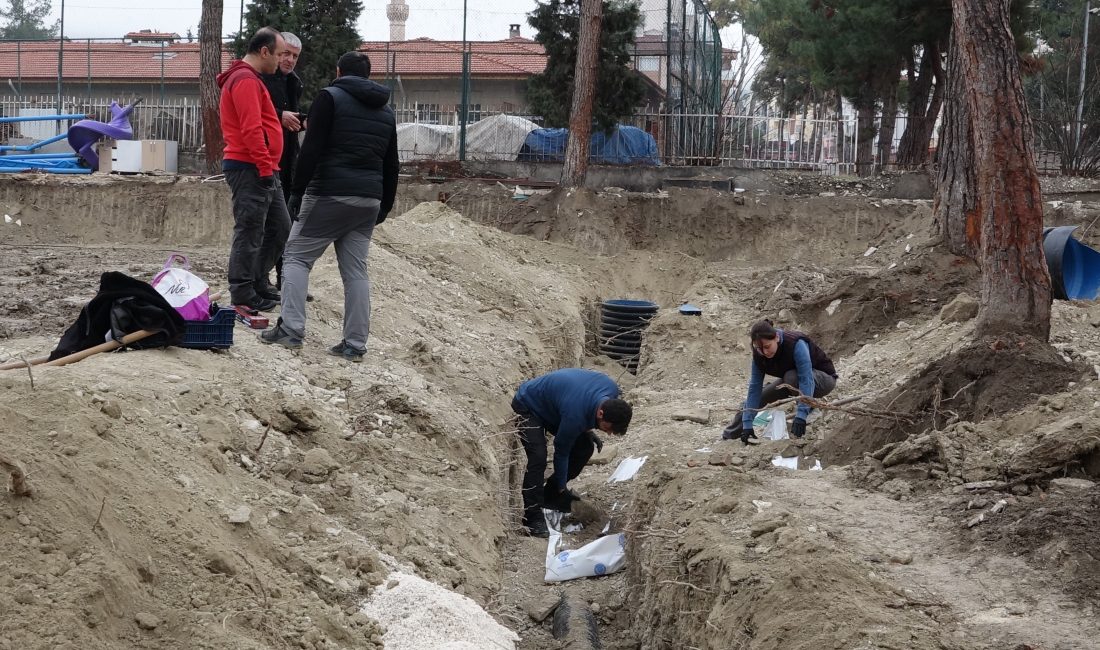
[[351, 144], [123, 305], [286, 93]]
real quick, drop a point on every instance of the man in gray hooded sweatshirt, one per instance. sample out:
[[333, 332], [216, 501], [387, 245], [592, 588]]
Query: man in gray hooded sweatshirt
[[345, 185]]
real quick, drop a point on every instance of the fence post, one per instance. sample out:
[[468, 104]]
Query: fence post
[[88, 51], [162, 73]]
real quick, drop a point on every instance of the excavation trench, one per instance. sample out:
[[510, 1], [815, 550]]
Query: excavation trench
[[405, 465]]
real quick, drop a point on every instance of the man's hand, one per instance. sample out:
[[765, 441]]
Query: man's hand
[[746, 434], [560, 499], [597, 440], [291, 122], [798, 427], [294, 206]]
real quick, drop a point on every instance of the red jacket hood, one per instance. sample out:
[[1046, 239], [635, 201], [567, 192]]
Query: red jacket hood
[[237, 65]]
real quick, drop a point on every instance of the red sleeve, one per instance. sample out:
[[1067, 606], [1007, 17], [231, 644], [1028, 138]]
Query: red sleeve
[[249, 99]]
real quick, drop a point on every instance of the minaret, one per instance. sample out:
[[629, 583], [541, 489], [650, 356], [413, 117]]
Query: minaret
[[398, 12]]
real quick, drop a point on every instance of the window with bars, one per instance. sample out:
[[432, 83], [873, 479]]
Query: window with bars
[[428, 113]]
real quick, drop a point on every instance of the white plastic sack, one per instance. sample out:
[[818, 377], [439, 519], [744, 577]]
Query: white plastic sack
[[603, 556], [776, 428]]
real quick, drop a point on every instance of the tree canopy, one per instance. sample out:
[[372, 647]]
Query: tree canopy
[[25, 19], [619, 89], [327, 29]]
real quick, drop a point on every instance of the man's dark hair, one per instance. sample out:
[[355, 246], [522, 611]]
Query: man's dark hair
[[618, 413], [354, 63], [763, 329], [264, 37]]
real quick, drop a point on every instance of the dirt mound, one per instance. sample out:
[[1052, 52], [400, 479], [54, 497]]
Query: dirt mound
[[861, 307], [988, 377], [1070, 554]]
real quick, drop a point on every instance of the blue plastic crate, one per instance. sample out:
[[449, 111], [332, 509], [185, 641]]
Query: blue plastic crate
[[214, 333]]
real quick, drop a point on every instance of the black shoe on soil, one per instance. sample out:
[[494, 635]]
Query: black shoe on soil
[[270, 293], [257, 303], [342, 349], [537, 528], [278, 335]]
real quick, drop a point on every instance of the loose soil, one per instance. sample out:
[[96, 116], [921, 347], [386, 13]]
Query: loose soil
[[141, 462]]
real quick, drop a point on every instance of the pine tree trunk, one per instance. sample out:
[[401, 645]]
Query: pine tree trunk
[[584, 94], [210, 65], [889, 121], [865, 139], [954, 211], [1016, 293], [913, 147]]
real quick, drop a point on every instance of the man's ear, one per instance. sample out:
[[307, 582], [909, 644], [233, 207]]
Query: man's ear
[[599, 413]]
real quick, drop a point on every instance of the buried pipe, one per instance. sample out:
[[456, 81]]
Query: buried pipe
[[575, 624]]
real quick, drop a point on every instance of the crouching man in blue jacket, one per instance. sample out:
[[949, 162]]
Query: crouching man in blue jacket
[[568, 403]]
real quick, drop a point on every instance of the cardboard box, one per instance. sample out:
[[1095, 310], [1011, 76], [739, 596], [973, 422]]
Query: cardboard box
[[138, 156]]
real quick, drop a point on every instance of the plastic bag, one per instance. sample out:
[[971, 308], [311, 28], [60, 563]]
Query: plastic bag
[[775, 425], [184, 290], [603, 556]]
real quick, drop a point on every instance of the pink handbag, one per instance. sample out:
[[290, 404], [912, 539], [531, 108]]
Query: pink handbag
[[183, 289]]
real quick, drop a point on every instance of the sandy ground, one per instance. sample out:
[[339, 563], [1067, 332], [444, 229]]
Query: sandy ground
[[404, 463]]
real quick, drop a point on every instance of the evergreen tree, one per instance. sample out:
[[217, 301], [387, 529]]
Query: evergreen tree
[[619, 89], [326, 28], [23, 19]]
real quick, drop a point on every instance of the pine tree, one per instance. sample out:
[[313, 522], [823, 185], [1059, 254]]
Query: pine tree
[[23, 19], [326, 28], [619, 89]]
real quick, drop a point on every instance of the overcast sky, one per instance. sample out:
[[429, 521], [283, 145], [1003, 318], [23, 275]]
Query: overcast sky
[[439, 19]]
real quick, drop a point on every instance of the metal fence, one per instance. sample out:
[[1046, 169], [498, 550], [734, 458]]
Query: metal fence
[[178, 119]]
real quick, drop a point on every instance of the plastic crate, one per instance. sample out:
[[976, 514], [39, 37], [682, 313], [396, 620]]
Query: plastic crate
[[214, 333]]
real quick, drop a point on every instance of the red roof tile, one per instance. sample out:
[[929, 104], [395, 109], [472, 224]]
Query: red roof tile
[[425, 57], [37, 61]]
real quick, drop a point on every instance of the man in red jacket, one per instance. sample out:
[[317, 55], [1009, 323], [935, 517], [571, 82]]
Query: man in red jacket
[[253, 146]]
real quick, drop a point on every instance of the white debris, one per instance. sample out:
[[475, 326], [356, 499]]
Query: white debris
[[870, 251], [418, 615], [831, 309], [627, 468]]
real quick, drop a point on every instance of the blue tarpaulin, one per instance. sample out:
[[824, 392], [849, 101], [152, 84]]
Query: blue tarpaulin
[[625, 145]]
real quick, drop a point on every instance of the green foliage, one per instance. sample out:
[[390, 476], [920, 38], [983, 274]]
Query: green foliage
[[24, 19], [619, 89], [326, 28]]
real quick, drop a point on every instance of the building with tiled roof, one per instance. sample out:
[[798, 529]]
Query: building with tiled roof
[[111, 69]]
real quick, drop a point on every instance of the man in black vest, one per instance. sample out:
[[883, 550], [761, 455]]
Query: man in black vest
[[285, 87], [345, 184], [796, 361]]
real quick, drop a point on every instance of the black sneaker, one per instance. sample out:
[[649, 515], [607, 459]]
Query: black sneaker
[[258, 303], [270, 293], [280, 336], [342, 349], [537, 528]]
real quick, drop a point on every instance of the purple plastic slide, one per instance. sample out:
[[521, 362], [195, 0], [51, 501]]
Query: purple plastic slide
[[86, 133]]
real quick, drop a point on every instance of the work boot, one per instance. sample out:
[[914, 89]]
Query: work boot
[[267, 291], [733, 429], [342, 349], [536, 527], [278, 335]]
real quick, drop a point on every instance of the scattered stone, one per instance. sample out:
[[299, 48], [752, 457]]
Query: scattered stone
[[241, 515], [609, 453], [1021, 489], [317, 465], [999, 506], [23, 520], [693, 462], [219, 562], [1071, 484], [541, 609], [767, 525], [25, 597], [961, 309], [700, 416], [975, 520], [721, 459], [595, 607], [980, 485], [111, 409], [147, 621], [902, 558]]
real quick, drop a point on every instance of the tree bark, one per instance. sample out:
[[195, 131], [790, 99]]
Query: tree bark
[[210, 65], [954, 211], [922, 114], [584, 92], [865, 139], [889, 120], [1016, 292]]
